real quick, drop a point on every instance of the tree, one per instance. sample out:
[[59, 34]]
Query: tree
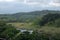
[[49, 18], [7, 31]]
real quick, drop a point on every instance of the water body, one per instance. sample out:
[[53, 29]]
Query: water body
[[24, 30]]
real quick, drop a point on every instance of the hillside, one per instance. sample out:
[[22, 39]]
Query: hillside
[[46, 28], [50, 19], [25, 16]]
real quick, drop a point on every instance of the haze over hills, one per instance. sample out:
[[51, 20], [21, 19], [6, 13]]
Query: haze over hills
[[24, 16]]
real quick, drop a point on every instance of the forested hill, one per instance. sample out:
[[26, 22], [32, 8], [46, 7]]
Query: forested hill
[[25, 16]]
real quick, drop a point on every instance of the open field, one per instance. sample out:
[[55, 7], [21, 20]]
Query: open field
[[24, 25], [46, 29], [52, 30]]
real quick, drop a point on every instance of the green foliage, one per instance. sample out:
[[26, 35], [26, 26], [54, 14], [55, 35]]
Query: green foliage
[[57, 23], [10, 33], [7, 31], [24, 16], [38, 36], [2, 26], [50, 19]]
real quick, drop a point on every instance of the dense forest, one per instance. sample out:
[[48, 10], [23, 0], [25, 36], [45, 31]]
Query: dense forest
[[50, 19], [48, 22]]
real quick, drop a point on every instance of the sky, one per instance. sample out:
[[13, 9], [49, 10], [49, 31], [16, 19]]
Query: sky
[[14, 6]]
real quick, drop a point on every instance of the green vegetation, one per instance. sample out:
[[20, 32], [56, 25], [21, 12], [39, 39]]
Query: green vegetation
[[24, 25], [25, 16], [45, 25], [7, 31], [50, 19]]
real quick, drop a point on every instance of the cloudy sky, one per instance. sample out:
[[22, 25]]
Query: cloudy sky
[[12, 6]]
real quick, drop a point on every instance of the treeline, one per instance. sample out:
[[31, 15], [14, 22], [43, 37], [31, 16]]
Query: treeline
[[50, 19]]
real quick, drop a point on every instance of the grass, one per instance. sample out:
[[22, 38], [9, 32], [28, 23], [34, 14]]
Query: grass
[[46, 29], [24, 25], [49, 29]]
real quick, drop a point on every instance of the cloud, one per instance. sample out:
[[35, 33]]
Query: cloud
[[55, 3], [28, 5], [11, 0], [6, 0], [34, 3], [42, 3]]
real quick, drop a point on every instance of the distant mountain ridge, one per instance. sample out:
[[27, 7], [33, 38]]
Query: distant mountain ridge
[[24, 16]]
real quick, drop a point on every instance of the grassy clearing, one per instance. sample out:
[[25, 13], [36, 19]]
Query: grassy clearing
[[51, 30], [46, 29], [24, 25]]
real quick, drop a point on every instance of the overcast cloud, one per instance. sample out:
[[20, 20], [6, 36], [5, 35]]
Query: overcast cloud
[[12, 6]]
